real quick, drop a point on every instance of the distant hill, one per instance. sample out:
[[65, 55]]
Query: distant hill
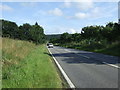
[[53, 36]]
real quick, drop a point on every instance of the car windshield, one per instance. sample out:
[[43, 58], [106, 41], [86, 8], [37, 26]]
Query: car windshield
[[49, 44]]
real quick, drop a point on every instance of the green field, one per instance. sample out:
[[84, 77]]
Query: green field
[[26, 65]]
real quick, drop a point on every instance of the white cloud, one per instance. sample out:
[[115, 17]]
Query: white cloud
[[96, 12], [56, 11], [85, 5], [67, 4], [60, 30], [72, 31], [28, 4], [82, 4], [102, 12], [80, 15], [5, 8]]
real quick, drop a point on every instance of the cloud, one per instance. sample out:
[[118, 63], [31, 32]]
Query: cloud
[[67, 4], [28, 4], [72, 31], [82, 4], [94, 13], [80, 15], [60, 30], [85, 5], [56, 11], [4, 7], [102, 12]]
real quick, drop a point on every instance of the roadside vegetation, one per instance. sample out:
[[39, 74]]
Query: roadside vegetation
[[27, 65], [27, 32], [26, 62], [101, 39]]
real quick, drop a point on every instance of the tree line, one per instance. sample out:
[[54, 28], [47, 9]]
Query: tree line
[[92, 34], [34, 33]]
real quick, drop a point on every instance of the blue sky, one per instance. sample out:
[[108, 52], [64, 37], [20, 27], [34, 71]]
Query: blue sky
[[59, 17]]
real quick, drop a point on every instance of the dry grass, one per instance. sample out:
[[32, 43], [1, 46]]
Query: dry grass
[[15, 50], [26, 65]]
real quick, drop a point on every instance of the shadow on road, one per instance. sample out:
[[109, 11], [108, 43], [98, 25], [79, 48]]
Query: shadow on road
[[94, 58]]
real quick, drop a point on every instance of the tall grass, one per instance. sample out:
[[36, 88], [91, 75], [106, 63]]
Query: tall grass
[[26, 65], [15, 50]]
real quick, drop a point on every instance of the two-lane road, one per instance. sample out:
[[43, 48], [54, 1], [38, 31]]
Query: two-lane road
[[87, 69]]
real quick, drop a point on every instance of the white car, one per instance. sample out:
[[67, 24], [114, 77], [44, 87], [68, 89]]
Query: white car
[[50, 45]]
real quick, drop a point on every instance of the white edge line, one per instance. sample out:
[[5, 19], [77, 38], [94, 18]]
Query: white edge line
[[63, 72]]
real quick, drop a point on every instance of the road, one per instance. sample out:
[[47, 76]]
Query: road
[[88, 69]]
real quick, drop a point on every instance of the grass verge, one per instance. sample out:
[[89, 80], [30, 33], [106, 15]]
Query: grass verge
[[26, 65]]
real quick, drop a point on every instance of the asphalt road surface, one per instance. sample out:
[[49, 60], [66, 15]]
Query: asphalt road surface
[[87, 69]]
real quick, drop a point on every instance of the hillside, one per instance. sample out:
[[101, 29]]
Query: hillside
[[53, 36]]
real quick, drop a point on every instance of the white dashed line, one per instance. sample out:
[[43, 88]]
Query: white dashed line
[[83, 56], [111, 65]]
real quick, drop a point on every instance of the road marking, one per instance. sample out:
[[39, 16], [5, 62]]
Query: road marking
[[63, 72], [78, 54], [112, 65], [67, 50], [83, 56]]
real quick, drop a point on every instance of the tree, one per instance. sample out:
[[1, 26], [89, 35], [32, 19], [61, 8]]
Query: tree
[[24, 31], [27, 32], [36, 23], [116, 32], [9, 29], [37, 34], [65, 38], [76, 37]]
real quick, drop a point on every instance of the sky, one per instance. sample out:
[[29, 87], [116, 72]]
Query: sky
[[60, 17]]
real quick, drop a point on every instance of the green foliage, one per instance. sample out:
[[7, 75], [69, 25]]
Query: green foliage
[[34, 33], [9, 29], [48, 37], [92, 33], [24, 31], [112, 49], [76, 37], [65, 37], [91, 38]]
